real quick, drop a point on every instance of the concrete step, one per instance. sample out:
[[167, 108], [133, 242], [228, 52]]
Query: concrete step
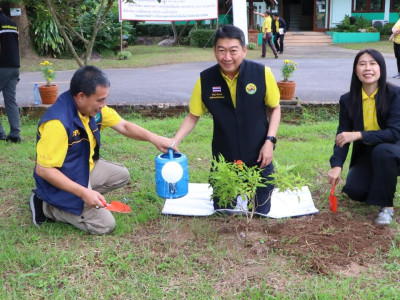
[[299, 38]]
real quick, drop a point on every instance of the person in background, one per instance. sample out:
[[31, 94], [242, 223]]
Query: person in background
[[370, 119], [279, 30], [267, 33], [9, 76], [395, 38], [243, 98], [70, 176]]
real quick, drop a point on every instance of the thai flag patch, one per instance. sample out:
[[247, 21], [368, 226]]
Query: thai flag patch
[[216, 89]]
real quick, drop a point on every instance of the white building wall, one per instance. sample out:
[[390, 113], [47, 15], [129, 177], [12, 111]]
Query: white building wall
[[339, 8]]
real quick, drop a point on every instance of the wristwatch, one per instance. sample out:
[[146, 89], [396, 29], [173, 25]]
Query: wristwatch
[[271, 138]]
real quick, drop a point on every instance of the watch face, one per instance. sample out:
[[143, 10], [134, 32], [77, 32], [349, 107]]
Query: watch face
[[272, 139]]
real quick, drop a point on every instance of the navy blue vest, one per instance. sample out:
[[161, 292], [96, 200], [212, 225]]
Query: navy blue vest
[[239, 133], [76, 164]]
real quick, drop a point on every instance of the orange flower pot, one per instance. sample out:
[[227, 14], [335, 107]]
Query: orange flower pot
[[48, 94], [286, 88]]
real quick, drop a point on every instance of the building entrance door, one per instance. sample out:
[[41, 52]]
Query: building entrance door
[[321, 15]]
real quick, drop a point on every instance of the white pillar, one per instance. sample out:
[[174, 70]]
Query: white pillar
[[240, 16]]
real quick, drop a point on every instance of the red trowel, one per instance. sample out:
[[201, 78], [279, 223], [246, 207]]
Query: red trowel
[[116, 206], [333, 199]]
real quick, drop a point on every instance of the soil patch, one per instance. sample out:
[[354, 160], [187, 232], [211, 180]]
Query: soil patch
[[324, 243]]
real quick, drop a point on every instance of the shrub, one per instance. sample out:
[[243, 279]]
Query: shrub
[[202, 37], [352, 24], [372, 29], [124, 55], [46, 37], [251, 46], [362, 23], [153, 29], [108, 37], [157, 30], [387, 29]]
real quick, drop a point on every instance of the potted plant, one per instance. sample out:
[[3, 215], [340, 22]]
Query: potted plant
[[287, 87], [48, 92]]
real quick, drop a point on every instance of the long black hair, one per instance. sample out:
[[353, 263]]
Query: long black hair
[[381, 101]]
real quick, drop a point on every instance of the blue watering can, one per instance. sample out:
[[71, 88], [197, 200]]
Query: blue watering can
[[172, 176]]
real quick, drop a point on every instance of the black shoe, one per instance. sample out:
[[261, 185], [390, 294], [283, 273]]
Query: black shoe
[[36, 205], [3, 138], [280, 52], [13, 139]]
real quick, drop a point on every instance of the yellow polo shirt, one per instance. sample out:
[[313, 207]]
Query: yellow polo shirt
[[369, 111], [277, 25], [267, 24], [272, 95], [52, 146], [396, 38]]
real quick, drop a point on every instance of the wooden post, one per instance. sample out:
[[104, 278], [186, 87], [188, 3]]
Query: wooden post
[[251, 14]]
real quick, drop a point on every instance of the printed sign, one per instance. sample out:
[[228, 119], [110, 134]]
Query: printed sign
[[168, 10], [15, 12]]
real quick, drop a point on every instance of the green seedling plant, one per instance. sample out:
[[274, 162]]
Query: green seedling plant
[[286, 179], [232, 179]]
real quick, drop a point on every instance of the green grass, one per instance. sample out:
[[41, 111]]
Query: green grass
[[381, 46], [142, 56], [148, 256]]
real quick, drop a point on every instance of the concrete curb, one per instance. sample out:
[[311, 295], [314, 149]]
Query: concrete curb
[[163, 110]]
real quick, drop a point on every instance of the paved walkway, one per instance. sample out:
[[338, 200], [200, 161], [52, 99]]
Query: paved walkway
[[323, 74]]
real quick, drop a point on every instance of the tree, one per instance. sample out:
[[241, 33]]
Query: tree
[[66, 15], [176, 36], [25, 43]]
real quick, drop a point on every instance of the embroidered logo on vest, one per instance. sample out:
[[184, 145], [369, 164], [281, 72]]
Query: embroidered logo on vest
[[251, 88], [216, 93], [97, 117]]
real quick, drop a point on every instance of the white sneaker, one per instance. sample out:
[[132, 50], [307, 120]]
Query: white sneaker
[[385, 216]]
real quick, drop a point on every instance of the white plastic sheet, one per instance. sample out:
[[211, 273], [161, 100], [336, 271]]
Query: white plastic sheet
[[198, 203]]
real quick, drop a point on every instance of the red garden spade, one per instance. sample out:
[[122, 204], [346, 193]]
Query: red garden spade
[[116, 206], [333, 199]]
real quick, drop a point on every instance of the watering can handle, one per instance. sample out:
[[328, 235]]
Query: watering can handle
[[171, 153]]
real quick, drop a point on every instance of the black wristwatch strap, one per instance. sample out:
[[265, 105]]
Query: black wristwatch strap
[[271, 138]]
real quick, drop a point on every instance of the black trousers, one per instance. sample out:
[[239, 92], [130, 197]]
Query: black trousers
[[396, 48], [277, 36], [373, 177], [263, 200]]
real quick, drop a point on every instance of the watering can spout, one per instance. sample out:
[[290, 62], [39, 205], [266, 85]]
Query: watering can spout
[[171, 153]]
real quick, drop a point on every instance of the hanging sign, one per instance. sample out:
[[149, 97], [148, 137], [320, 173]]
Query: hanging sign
[[169, 10]]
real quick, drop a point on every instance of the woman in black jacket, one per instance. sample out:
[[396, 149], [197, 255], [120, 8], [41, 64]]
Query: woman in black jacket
[[370, 118]]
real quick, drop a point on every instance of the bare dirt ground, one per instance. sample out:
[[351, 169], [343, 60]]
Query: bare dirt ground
[[326, 243]]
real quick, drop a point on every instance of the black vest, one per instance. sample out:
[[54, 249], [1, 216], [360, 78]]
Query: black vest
[[9, 52], [239, 133]]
